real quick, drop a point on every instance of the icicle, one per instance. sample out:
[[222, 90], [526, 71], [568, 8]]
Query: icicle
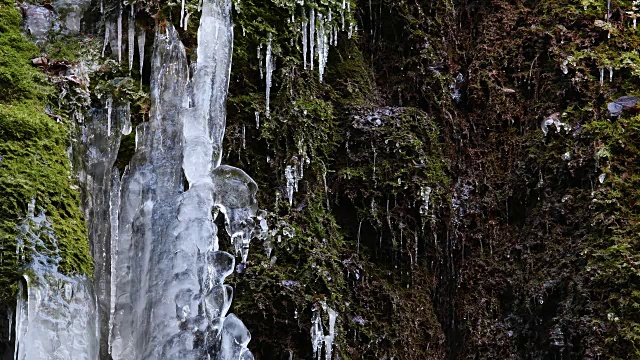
[[114, 211], [350, 24], [126, 127], [324, 181], [425, 194], [10, 318], [109, 105], [342, 13], [321, 44], [374, 164], [141, 41], [601, 76], [358, 246], [257, 119], [182, 14], [101, 6], [186, 21], [317, 334], [318, 337], [312, 34], [269, 64], [120, 35], [290, 176], [610, 73], [244, 140], [260, 61], [106, 37], [304, 44], [132, 37], [325, 49], [328, 339]]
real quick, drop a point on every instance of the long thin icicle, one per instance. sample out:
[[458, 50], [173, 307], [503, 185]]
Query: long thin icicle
[[269, 72], [132, 37], [182, 14], [321, 45], [106, 37], [312, 34], [109, 111], [304, 43], [120, 35], [141, 40]]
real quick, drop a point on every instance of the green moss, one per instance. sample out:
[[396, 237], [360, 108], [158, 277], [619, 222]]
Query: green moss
[[614, 263], [34, 163]]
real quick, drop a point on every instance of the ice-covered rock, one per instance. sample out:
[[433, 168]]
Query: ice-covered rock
[[72, 12], [38, 21], [55, 314]]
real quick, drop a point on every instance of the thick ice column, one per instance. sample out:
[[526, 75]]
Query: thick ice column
[[97, 177], [143, 319], [170, 300], [207, 108]]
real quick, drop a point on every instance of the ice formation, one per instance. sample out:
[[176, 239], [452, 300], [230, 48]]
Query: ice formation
[[55, 313], [38, 21], [270, 66], [318, 337], [141, 40], [131, 36], [312, 34], [554, 119], [166, 245], [159, 290], [119, 27], [305, 39]]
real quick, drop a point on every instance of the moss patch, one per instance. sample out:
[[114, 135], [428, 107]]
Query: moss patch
[[34, 162]]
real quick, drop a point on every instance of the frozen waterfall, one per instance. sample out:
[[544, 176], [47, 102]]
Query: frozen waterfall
[[170, 298], [159, 289]]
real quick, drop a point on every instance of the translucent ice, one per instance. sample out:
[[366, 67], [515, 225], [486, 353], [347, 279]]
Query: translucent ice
[[55, 314], [270, 66], [131, 37]]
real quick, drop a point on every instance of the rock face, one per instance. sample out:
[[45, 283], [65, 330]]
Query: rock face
[[413, 208]]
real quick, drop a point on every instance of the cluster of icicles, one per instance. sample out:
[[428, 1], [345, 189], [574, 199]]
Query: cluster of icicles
[[319, 31], [318, 337], [159, 290], [162, 292], [113, 34]]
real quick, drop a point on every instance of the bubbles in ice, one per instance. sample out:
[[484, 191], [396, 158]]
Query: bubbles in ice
[[218, 301]]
